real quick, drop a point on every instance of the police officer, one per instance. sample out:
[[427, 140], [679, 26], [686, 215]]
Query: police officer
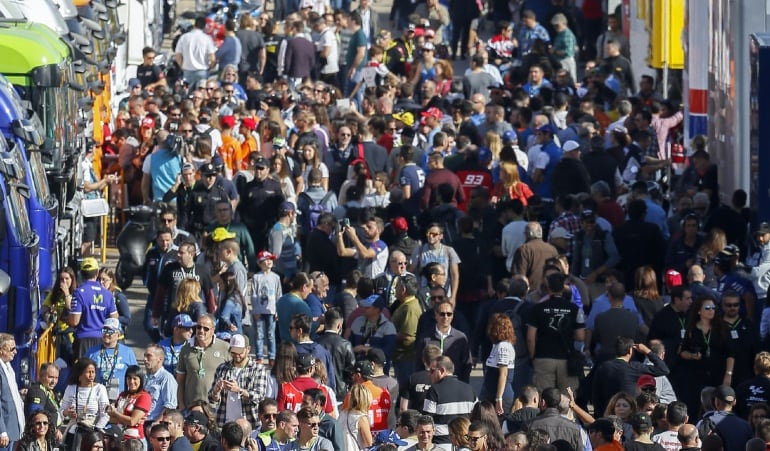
[[206, 193], [259, 204]]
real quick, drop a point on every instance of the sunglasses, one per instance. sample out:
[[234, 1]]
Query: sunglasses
[[203, 328], [473, 439], [732, 305], [109, 332], [312, 425], [163, 439], [709, 307], [445, 314]]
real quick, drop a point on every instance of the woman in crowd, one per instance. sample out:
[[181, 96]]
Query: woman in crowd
[[39, 433], [498, 368], [56, 308], [623, 405], [188, 300], [705, 353], [355, 419], [311, 158], [715, 242], [510, 185], [232, 305], [646, 297], [85, 400], [358, 176], [458, 430], [132, 406], [486, 413], [107, 278], [283, 369]]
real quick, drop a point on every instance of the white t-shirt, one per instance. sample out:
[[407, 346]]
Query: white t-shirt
[[195, 47], [502, 354], [668, 440], [327, 39]]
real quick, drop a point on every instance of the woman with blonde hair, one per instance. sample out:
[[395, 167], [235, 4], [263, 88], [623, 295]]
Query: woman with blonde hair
[[355, 419], [444, 77], [510, 185], [646, 297], [188, 300], [458, 429], [495, 144]]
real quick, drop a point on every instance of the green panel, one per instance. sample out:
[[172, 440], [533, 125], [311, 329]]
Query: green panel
[[25, 46]]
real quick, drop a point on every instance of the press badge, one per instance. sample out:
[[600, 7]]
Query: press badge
[[734, 334], [113, 388], [201, 373], [681, 334]]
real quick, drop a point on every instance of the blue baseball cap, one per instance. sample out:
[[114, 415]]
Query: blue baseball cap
[[183, 320], [510, 136], [374, 300], [389, 436], [547, 128]]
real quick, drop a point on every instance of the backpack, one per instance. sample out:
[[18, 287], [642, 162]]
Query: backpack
[[314, 211], [448, 221]]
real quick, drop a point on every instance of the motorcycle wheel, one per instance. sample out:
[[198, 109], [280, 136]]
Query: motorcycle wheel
[[122, 278]]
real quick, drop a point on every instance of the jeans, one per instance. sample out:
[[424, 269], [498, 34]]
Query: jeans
[[194, 76], [265, 325]]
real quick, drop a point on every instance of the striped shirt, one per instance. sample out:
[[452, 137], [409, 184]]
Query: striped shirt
[[446, 400]]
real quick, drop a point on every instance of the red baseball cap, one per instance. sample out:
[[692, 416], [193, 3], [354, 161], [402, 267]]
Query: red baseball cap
[[249, 123], [148, 122], [227, 121], [432, 111]]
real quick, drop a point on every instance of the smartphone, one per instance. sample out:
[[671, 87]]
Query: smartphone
[[343, 105], [346, 222]]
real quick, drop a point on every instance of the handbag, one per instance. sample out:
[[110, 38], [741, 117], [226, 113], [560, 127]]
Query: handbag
[[93, 208]]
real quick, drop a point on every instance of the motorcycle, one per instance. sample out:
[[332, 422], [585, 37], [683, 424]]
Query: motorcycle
[[217, 12], [133, 241]]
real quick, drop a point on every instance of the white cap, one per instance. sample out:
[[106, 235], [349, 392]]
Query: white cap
[[570, 145], [237, 341]]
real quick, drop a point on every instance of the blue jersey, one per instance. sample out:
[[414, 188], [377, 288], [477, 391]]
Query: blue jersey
[[95, 304], [170, 354]]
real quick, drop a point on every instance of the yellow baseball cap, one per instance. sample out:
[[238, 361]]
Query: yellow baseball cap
[[89, 264], [220, 234]]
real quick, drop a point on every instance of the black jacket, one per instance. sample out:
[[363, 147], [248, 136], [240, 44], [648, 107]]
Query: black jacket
[[342, 356], [617, 375]]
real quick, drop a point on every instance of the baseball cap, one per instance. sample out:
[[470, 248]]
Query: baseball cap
[[237, 342], [547, 128], [723, 257], [762, 229], [227, 121], [306, 4], [265, 255], [406, 117], [646, 380], [364, 367], [371, 301], [389, 436], [587, 214], [429, 34], [262, 163], [376, 355], [249, 123], [399, 224], [725, 393], [560, 232], [509, 136], [570, 145], [134, 82], [188, 167], [428, 46], [217, 161], [220, 234], [641, 421], [89, 264], [305, 361], [279, 142], [287, 206], [148, 122], [197, 418], [204, 110], [432, 111], [111, 324], [411, 27], [208, 169], [183, 320], [485, 154]]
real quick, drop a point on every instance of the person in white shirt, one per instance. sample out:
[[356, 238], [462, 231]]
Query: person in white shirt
[[196, 53]]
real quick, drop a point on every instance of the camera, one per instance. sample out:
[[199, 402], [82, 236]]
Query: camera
[[175, 143]]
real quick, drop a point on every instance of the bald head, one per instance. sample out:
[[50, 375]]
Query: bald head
[[695, 274], [688, 436]]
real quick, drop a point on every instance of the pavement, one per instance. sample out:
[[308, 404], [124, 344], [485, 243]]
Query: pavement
[[136, 337]]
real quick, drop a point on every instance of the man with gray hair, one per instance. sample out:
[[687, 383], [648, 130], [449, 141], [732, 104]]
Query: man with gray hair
[[529, 259]]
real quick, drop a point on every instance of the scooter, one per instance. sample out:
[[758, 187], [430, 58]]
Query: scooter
[[133, 241]]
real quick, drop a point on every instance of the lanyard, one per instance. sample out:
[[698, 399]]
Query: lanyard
[[88, 399], [734, 326], [707, 340], [682, 322], [102, 360]]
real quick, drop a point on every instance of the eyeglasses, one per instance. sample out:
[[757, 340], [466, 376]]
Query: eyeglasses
[[176, 115], [41, 423], [163, 439], [203, 328], [732, 305], [434, 234], [109, 332], [709, 307], [312, 425], [445, 314], [473, 439]]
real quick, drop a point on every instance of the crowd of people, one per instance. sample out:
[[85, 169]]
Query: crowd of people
[[347, 229]]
